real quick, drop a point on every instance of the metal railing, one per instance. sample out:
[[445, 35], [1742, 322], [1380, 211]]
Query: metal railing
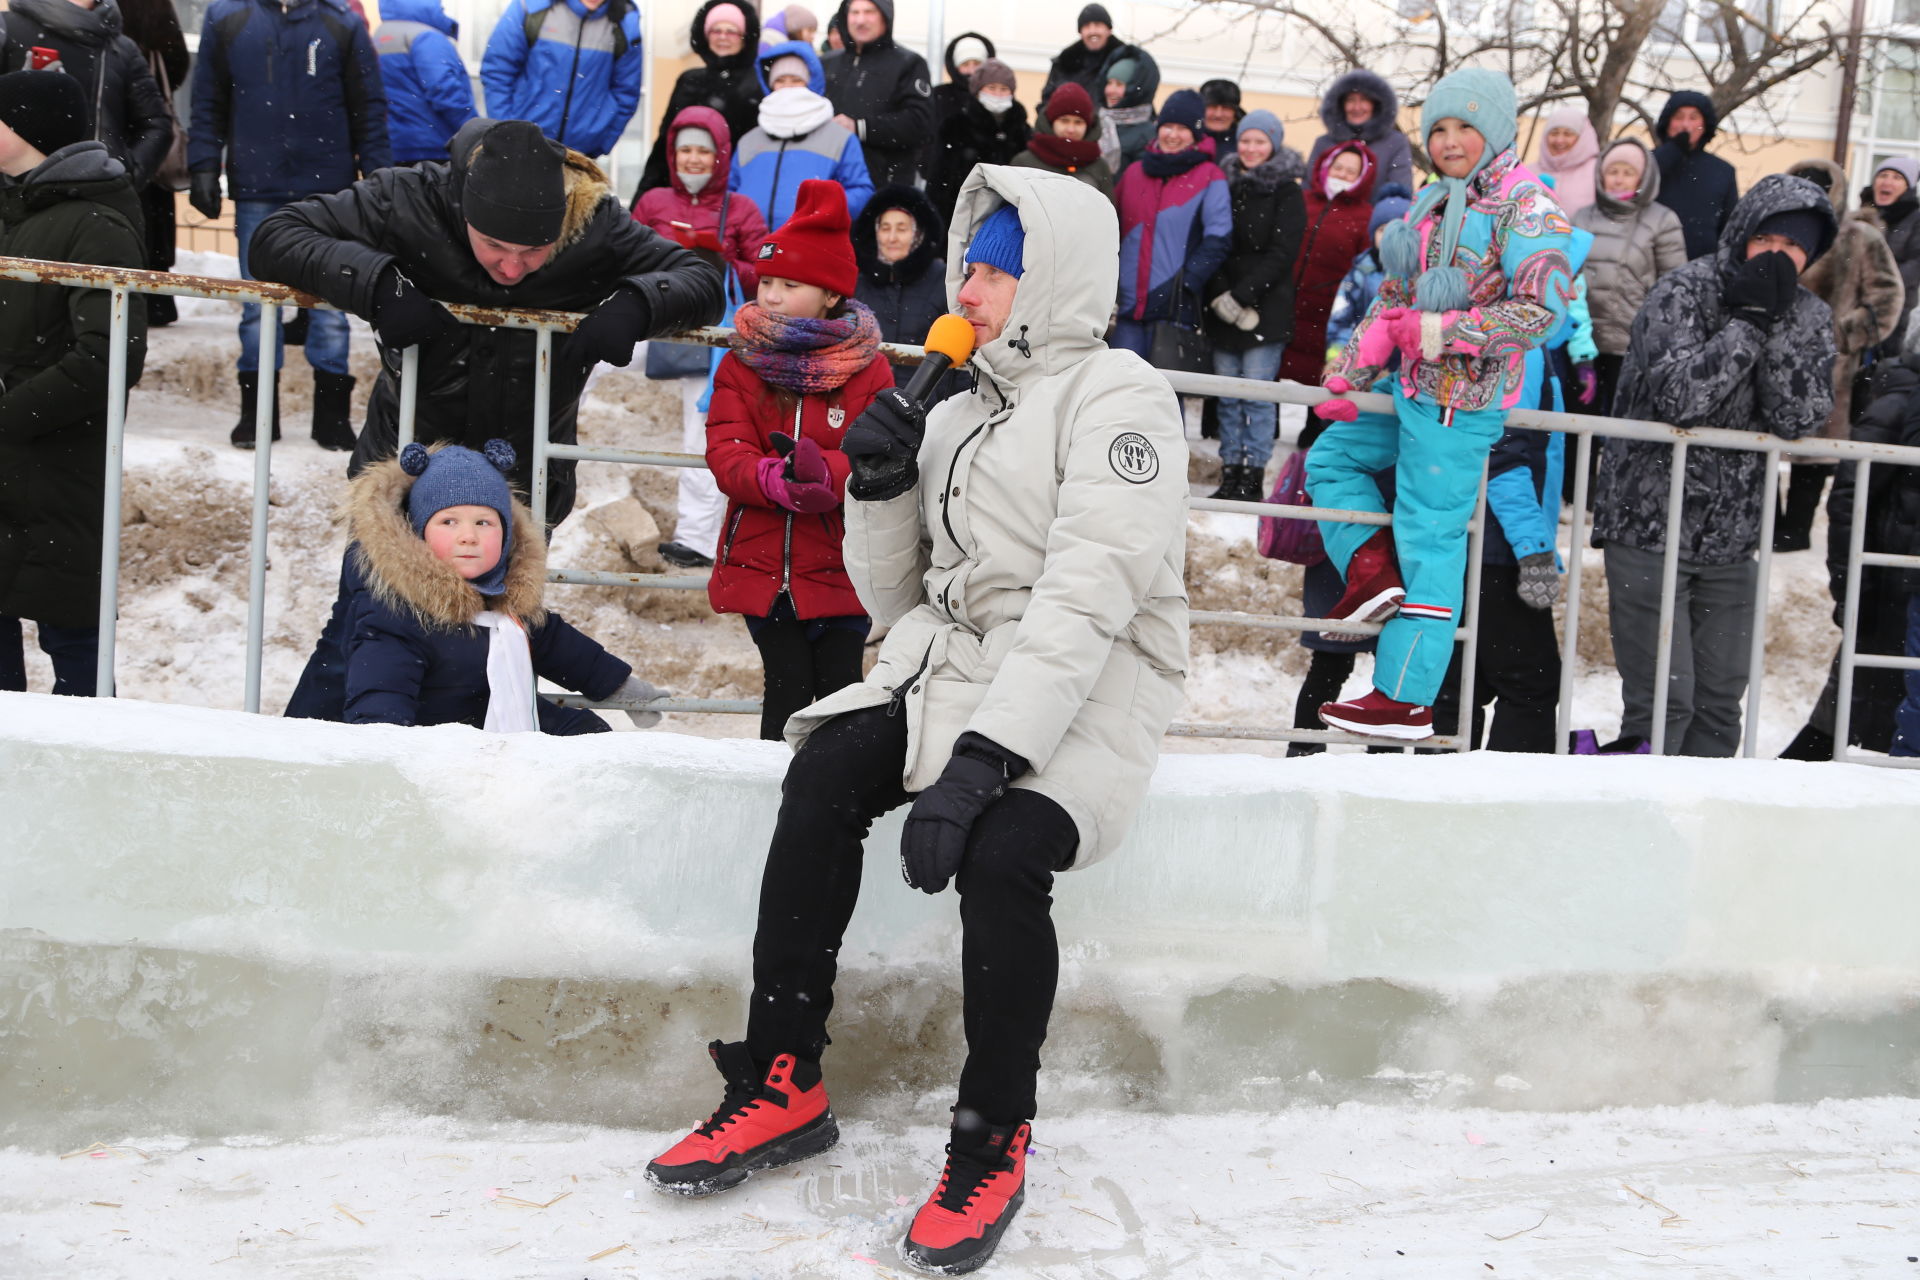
[[123, 282]]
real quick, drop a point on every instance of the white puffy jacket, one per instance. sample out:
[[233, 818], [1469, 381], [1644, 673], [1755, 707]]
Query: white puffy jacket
[[1033, 581]]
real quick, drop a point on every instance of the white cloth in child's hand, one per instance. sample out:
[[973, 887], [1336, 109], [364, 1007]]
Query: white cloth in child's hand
[[509, 675], [638, 690]]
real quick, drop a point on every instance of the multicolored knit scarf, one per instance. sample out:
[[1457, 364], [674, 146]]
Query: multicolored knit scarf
[[802, 355]]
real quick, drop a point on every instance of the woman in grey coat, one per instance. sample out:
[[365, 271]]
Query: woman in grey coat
[[1636, 240]]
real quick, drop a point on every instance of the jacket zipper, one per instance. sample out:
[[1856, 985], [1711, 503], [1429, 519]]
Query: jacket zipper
[[900, 691], [727, 549], [945, 490], [573, 74], [786, 549], [773, 192]]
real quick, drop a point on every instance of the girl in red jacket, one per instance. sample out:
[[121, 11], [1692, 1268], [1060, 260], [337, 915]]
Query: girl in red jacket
[[805, 362], [1339, 206]]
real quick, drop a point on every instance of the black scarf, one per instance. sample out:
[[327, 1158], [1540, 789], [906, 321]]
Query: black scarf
[[1160, 165]]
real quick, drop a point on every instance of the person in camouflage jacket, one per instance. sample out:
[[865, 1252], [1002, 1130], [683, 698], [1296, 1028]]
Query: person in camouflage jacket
[[1733, 341]]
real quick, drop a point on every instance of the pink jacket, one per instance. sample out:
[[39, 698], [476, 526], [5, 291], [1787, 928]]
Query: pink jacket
[[694, 220]]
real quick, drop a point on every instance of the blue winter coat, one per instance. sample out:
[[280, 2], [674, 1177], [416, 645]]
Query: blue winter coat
[[1358, 289], [1180, 225], [771, 169], [290, 96], [579, 80], [412, 653], [428, 93]]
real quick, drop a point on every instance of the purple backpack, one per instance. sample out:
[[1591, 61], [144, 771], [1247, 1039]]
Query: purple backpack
[[1290, 538]]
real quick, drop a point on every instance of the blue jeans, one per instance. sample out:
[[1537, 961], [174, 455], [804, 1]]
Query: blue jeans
[[1247, 426], [1132, 335], [1906, 718], [75, 652], [327, 331]]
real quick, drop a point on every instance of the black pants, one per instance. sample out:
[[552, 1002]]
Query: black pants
[[74, 651], [802, 670], [846, 775], [1326, 674], [1518, 664]]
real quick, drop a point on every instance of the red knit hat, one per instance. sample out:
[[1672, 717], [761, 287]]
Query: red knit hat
[[816, 245], [1070, 100]]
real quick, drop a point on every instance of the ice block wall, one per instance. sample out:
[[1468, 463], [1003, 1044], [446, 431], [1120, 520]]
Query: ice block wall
[[217, 923]]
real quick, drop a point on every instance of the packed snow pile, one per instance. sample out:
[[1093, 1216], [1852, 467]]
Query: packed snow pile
[[218, 922]]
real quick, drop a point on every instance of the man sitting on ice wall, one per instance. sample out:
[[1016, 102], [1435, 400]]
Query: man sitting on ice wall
[[1037, 653], [512, 219]]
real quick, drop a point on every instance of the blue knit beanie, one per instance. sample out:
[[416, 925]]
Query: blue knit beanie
[[1264, 121], [1000, 241], [456, 477], [1185, 107], [1390, 204], [1481, 98]]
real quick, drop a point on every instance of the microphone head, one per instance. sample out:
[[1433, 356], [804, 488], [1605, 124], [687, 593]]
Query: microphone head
[[952, 337]]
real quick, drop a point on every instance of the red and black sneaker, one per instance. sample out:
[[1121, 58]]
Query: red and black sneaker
[[1378, 716], [767, 1119], [982, 1187], [1374, 589]]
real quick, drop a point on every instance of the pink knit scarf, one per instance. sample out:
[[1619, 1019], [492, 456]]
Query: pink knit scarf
[[803, 355]]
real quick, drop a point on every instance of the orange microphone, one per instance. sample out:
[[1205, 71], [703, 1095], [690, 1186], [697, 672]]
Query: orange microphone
[[949, 342]]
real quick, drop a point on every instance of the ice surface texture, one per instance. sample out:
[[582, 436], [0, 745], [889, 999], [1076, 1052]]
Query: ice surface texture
[[214, 922]]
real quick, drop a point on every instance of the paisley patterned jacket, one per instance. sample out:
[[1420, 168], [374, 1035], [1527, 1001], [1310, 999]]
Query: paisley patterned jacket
[[1513, 247]]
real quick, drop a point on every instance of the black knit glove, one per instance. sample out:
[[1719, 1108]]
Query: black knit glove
[[402, 315], [1762, 290], [935, 838], [883, 446], [204, 192], [611, 331]]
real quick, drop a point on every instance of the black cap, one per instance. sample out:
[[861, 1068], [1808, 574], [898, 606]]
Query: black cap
[[1094, 13], [1221, 93], [1811, 229], [48, 109], [515, 185]]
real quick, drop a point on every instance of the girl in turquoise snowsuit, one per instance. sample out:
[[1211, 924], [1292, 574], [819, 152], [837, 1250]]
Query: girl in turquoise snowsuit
[[1493, 283]]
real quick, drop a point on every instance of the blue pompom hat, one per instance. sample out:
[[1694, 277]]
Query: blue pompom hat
[[1000, 241], [455, 476]]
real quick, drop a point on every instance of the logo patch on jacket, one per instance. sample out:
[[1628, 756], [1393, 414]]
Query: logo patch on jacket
[[1133, 458]]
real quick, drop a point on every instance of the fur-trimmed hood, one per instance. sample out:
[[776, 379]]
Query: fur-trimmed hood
[[404, 575], [586, 185]]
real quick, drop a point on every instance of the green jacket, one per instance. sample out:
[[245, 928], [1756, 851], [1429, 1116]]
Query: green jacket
[[77, 206]]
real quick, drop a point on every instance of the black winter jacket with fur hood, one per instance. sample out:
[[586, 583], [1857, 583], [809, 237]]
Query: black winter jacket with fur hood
[[476, 384], [413, 655]]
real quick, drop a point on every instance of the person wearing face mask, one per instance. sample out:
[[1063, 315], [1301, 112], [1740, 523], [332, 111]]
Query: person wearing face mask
[[965, 53], [990, 129], [1068, 149], [1339, 208], [797, 138], [1361, 107], [726, 39], [690, 210], [897, 242]]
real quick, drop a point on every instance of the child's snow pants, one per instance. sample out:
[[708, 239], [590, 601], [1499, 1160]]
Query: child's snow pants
[[1437, 470]]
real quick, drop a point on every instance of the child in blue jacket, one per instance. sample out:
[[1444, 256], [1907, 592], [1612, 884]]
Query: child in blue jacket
[[428, 93], [445, 622], [1494, 284], [797, 139]]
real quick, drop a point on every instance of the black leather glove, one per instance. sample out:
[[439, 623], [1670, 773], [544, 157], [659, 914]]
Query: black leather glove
[[402, 315], [204, 193], [883, 444], [935, 838], [612, 330], [1762, 289]]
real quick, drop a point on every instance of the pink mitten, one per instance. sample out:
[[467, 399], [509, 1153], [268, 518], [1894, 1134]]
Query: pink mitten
[[1374, 344], [1337, 410], [1405, 329], [808, 464], [808, 498]]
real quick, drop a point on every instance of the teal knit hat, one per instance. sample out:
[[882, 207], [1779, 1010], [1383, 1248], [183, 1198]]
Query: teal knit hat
[[1484, 100]]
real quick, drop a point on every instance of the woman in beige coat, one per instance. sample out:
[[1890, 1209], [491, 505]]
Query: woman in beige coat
[[1859, 279], [1025, 543]]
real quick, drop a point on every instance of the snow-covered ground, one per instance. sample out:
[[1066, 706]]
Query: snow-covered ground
[[1824, 1192]]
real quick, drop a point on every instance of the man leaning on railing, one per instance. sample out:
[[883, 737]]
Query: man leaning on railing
[[512, 220]]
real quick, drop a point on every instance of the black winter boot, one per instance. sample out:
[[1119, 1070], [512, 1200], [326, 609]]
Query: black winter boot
[[1794, 529], [333, 410], [1253, 483], [1809, 744], [1229, 490], [242, 436]]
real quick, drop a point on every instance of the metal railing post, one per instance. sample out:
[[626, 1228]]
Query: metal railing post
[[1757, 649], [542, 398], [1850, 616], [409, 395], [1470, 608], [1570, 639], [1669, 579], [110, 506], [262, 491]]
